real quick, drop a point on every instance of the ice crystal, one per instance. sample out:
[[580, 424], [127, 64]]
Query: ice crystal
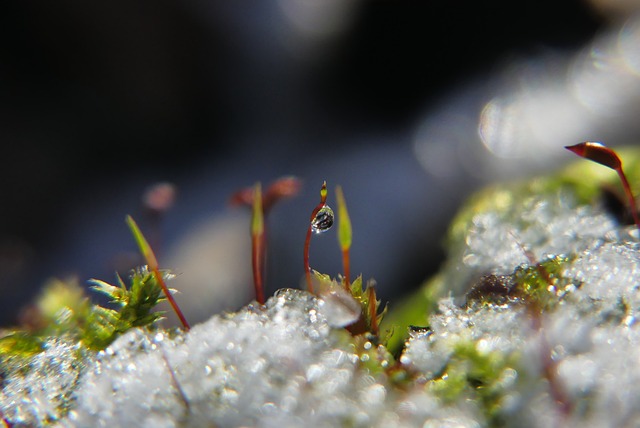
[[281, 365], [506, 359], [589, 340], [41, 392]]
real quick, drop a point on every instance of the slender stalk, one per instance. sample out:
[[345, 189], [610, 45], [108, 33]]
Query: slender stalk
[[307, 268], [152, 262], [373, 310], [260, 204], [630, 198], [257, 243], [307, 242], [599, 153], [346, 267]]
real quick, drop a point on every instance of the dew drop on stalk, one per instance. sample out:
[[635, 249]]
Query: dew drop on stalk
[[323, 220]]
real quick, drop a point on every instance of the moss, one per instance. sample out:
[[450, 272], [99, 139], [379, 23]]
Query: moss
[[471, 373], [18, 346], [542, 283], [373, 356], [63, 309], [483, 376], [584, 180]]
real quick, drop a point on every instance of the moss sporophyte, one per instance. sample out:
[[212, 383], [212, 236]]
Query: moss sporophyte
[[321, 220], [261, 204], [152, 262], [598, 152], [473, 367]]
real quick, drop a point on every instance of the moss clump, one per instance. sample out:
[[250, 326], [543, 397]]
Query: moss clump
[[587, 183], [64, 315], [63, 309], [483, 376]]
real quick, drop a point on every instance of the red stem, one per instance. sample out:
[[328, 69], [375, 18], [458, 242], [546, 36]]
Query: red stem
[[347, 268], [256, 259], [632, 201], [307, 242], [307, 268], [263, 254], [170, 298], [373, 313]]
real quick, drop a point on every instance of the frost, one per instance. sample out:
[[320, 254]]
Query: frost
[[543, 225], [281, 365], [40, 393], [511, 362], [590, 340]]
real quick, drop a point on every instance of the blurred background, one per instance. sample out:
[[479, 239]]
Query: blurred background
[[410, 106]]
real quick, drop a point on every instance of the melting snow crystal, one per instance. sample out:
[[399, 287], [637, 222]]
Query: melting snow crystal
[[277, 366], [290, 364]]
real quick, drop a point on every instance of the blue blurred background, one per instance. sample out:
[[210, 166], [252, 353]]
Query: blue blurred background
[[409, 106]]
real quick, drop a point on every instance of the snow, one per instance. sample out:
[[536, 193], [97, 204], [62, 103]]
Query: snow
[[34, 399], [290, 363], [277, 366]]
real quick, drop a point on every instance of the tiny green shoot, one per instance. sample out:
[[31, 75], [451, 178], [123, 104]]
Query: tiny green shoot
[[321, 220], [152, 262], [599, 153], [344, 234]]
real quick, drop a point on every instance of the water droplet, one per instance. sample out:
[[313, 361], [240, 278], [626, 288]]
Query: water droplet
[[323, 220]]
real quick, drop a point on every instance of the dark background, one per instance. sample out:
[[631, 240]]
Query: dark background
[[99, 100]]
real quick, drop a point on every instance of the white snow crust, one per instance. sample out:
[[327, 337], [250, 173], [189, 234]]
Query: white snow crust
[[291, 364]]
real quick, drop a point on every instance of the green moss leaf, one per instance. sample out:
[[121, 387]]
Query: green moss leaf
[[102, 327]]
